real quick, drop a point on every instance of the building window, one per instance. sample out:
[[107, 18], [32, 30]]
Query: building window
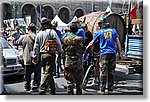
[[64, 15], [7, 11], [29, 10], [48, 12], [79, 13]]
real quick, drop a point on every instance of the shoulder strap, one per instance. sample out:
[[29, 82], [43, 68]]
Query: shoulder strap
[[49, 35], [31, 38]]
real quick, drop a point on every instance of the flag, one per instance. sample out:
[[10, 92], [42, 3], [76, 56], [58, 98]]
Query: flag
[[133, 12]]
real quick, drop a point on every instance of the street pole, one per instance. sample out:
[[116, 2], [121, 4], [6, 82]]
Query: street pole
[[129, 20], [93, 5]]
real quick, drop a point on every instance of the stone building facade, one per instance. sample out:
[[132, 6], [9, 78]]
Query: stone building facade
[[65, 9]]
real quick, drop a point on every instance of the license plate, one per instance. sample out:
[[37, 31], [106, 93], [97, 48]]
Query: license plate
[[8, 69]]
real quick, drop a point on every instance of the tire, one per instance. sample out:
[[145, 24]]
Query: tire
[[86, 76], [100, 84]]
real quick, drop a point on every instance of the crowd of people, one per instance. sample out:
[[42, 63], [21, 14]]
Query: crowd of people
[[46, 48]]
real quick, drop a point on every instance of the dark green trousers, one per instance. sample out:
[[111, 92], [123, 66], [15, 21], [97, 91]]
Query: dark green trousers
[[108, 63], [49, 60]]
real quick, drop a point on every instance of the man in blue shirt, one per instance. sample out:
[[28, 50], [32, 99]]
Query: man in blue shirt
[[108, 39], [16, 35], [80, 31]]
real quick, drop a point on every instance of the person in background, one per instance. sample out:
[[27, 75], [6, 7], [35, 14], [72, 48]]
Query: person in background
[[16, 35], [108, 39], [67, 30], [88, 34], [27, 42], [5, 34], [80, 31], [57, 66]]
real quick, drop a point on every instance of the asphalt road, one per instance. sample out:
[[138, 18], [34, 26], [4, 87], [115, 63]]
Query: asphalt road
[[125, 84]]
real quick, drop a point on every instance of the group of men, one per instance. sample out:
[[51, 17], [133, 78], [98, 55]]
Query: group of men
[[72, 45]]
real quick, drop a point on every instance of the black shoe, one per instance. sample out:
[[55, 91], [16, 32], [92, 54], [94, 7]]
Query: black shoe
[[110, 91], [35, 89], [27, 89], [52, 93], [62, 70], [54, 74], [42, 93]]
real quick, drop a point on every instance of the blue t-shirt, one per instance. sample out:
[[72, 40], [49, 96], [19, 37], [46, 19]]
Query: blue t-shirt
[[58, 33], [107, 38], [16, 35], [81, 33]]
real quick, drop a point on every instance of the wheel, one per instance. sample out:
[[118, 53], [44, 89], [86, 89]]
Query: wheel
[[100, 84], [86, 76]]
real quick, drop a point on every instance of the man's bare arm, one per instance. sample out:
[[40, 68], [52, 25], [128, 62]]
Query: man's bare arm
[[90, 45], [119, 47]]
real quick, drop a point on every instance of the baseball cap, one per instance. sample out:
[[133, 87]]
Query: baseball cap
[[44, 20]]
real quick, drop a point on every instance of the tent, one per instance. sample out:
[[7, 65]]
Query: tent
[[61, 24], [108, 9], [73, 20]]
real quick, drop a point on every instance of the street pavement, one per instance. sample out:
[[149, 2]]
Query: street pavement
[[125, 84]]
